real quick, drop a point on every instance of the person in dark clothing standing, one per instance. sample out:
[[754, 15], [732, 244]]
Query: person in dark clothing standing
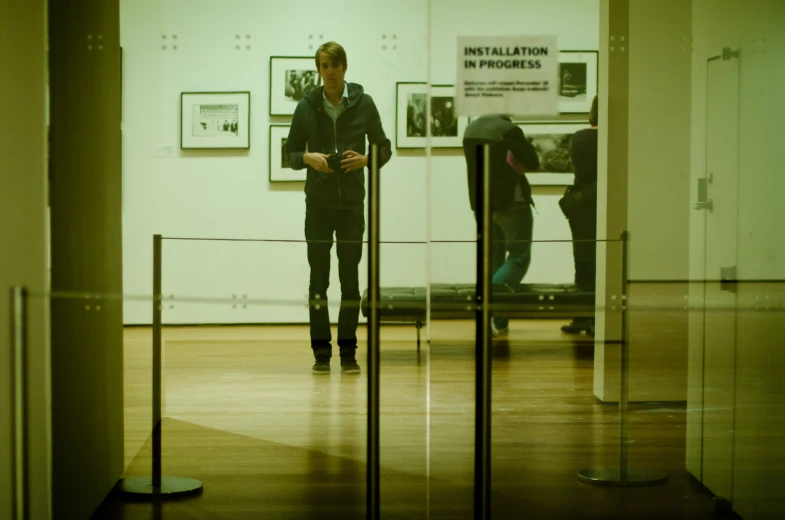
[[332, 122], [582, 215], [511, 230]]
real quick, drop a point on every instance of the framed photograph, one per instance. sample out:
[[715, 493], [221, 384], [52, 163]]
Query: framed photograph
[[578, 78], [280, 171], [291, 78], [411, 113], [215, 120], [552, 142]]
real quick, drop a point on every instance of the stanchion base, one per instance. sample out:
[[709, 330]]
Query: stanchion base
[[171, 487], [612, 477]]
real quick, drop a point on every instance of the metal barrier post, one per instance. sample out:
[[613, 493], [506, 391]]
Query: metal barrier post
[[622, 476], [158, 485], [482, 421], [373, 507], [20, 494]]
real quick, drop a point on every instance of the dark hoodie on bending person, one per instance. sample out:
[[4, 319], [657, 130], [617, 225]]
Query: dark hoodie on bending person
[[507, 186]]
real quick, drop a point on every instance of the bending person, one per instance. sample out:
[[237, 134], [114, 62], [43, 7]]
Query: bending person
[[511, 156]]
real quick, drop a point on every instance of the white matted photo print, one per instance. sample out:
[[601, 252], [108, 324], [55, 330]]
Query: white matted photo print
[[577, 81], [411, 112], [280, 171], [291, 78], [552, 142], [215, 120]]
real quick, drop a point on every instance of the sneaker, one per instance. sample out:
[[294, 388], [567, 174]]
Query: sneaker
[[499, 333], [350, 366], [321, 367]]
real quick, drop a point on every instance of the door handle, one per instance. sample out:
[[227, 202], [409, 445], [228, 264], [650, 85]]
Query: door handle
[[728, 53], [704, 202], [728, 278]]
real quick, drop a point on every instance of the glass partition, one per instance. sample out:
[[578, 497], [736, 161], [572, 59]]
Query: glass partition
[[664, 358], [224, 182], [243, 416]]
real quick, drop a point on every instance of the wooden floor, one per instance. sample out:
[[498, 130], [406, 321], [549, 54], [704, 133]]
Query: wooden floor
[[270, 440]]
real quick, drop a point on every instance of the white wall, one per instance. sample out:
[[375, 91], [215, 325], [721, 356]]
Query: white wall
[[659, 161], [227, 194], [757, 29], [761, 179]]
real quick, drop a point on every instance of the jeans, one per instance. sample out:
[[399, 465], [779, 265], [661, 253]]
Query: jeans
[[348, 226], [511, 233]]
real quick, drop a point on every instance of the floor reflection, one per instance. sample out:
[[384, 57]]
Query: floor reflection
[[270, 440]]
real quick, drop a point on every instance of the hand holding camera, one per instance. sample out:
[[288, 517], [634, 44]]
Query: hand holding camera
[[319, 162], [334, 162], [353, 161], [331, 163]]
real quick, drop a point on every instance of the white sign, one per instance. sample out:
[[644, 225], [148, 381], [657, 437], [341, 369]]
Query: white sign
[[515, 75]]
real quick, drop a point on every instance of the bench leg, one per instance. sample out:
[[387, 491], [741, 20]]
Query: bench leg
[[418, 324]]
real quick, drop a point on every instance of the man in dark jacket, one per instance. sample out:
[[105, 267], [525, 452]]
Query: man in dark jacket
[[511, 156], [332, 123]]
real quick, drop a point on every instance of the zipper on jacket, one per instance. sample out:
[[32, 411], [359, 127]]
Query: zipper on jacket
[[335, 147]]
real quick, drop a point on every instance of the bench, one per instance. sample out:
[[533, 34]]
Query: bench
[[457, 301]]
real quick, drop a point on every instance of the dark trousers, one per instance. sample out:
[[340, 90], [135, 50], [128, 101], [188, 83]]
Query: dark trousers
[[348, 226], [584, 232], [511, 232]]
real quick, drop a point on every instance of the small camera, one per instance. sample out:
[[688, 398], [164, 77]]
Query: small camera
[[334, 162]]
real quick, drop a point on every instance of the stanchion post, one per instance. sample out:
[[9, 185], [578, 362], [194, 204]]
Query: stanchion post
[[624, 392], [157, 309], [482, 418], [157, 485], [622, 476], [20, 495], [373, 506]]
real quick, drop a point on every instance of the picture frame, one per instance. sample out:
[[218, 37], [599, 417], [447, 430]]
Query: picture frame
[[279, 169], [291, 78], [215, 120], [552, 142], [410, 113], [578, 81]]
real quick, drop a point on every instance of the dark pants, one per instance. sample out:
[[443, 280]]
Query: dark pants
[[511, 235], [512, 248], [348, 226], [584, 232]]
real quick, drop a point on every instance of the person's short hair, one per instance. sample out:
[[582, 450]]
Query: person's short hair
[[593, 116], [335, 52]]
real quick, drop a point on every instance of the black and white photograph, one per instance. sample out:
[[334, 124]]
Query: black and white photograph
[[291, 78], [552, 141], [300, 82], [284, 156], [416, 112], [279, 168], [215, 120], [577, 81], [572, 81], [411, 114], [443, 120]]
